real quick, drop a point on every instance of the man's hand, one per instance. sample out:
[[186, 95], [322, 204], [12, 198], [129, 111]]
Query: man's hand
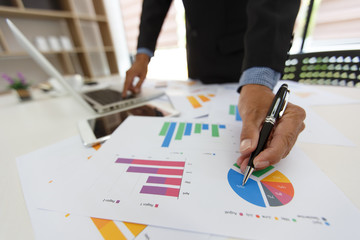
[[254, 103], [138, 69]]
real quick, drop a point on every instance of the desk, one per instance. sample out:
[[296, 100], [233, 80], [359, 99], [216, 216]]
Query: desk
[[28, 126]]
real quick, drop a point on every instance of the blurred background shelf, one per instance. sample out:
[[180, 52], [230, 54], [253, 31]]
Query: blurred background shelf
[[73, 34]]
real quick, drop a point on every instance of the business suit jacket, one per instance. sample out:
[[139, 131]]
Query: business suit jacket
[[226, 37]]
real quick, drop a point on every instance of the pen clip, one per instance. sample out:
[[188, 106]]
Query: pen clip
[[286, 101]]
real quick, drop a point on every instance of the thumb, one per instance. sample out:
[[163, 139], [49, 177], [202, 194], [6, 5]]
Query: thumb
[[249, 137]]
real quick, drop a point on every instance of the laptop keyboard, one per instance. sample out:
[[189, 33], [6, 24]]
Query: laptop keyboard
[[105, 96]]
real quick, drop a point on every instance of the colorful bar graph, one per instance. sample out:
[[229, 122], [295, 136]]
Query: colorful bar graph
[[164, 180], [180, 131], [188, 129], [153, 169], [194, 102], [148, 170], [185, 129], [151, 162], [215, 130], [165, 191], [169, 135], [203, 98]]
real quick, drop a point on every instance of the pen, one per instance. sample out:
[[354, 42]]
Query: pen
[[276, 111]]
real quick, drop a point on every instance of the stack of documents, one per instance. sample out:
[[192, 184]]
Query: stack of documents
[[176, 178]]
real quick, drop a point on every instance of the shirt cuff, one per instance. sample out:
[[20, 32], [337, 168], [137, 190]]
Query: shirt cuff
[[259, 75], [145, 51]]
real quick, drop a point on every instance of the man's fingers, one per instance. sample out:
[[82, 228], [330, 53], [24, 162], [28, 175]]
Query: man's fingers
[[139, 83], [283, 138], [128, 83], [249, 137], [137, 70]]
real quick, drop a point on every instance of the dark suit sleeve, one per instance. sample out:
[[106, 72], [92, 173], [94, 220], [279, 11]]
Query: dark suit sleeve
[[269, 32], [152, 17]]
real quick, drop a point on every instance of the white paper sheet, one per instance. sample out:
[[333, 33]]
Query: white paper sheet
[[193, 101], [194, 186], [317, 130], [44, 168], [307, 95], [41, 169]]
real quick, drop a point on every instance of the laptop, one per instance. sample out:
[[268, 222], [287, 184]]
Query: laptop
[[98, 101]]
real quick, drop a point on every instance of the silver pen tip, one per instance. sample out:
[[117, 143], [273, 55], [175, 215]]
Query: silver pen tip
[[248, 172]]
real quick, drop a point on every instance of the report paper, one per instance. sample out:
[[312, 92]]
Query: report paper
[[225, 108], [193, 102], [180, 174], [42, 169]]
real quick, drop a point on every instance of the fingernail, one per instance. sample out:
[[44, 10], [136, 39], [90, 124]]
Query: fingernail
[[261, 164], [245, 144]]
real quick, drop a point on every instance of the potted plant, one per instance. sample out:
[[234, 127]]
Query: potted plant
[[20, 85]]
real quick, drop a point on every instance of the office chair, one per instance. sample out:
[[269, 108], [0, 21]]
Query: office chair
[[338, 68]]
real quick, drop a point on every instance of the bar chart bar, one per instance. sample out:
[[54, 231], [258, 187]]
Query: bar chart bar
[[197, 128], [222, 126], [238, 118], [180, 131], [188, 129], [108, 229], [142, 170], [232, 109], [205, 126], [151, 162], [164, 129], [164, 180], [215, 130], [203, 98], [168, 171], [194, 102], [148, 170], [169, 135], [165, 191]]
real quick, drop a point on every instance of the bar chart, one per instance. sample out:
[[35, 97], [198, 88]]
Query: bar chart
[[196, 100], [186, 129], [163, 177]]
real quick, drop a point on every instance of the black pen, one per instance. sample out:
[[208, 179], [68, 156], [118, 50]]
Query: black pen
[[276, 111]]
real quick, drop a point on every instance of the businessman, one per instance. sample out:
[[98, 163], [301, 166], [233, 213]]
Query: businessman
[[243, 41]]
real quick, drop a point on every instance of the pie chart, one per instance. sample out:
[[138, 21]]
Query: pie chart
[[266, 188]]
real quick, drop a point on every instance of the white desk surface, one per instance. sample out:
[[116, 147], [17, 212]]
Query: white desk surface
[[28, 126]]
